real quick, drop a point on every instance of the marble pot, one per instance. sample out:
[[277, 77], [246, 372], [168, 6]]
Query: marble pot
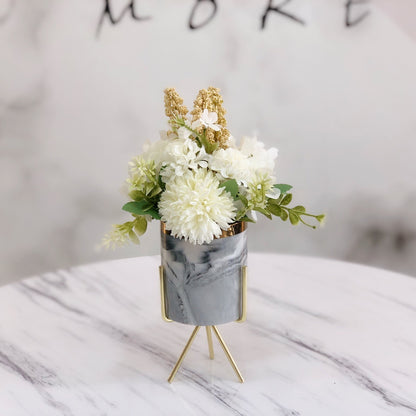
[[203, 281]]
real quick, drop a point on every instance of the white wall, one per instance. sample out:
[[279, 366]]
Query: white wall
[[338, 102]]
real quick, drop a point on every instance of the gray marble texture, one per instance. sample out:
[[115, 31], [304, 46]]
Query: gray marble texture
[[203, 282], [322, 338], [337, 102]]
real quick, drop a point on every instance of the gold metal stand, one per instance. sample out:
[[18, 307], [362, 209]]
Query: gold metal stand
[[208, 328]]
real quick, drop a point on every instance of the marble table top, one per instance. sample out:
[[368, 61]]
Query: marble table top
[[321, 338]]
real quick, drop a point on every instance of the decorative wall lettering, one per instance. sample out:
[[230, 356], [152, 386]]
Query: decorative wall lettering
[[115, 20], [279, 9], [208, 19], [348, 21], [130, 9]]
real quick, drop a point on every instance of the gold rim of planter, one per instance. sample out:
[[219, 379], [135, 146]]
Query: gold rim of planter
[[234, 229]]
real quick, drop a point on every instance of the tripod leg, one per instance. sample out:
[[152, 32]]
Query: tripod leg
[[185, 350], [228, 354], [210, 346]]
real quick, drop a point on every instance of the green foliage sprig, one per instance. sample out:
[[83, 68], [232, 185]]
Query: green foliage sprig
[[273, 207]]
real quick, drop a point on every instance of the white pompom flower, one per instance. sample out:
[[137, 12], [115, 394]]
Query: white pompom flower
[[195, 208]]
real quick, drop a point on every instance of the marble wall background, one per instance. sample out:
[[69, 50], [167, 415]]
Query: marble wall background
[[77, 100]]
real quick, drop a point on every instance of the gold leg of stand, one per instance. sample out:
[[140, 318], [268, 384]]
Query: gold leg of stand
[[163, 295], [185, 350], [228, 354], [211, 351], [243, 316], [210, 346], [208, 328]]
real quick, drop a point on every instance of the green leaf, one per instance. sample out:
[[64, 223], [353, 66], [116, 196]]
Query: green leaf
[[209, 147], [136, 195], [133, 237], [140, 225], [321, 218], [138, 207], [246, 219], [271, 201], [159, 180], [135, 207], [230, 186], [274, 209], [243, 199], [283, 188], [299, 208], [264, 212], [284, 215], [156, 190], [154, 213], [294, 219], [287, 199]]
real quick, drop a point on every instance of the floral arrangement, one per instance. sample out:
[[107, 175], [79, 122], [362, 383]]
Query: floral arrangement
[[198, 181]]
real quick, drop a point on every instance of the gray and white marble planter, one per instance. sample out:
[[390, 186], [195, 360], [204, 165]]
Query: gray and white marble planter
[[203, 282]]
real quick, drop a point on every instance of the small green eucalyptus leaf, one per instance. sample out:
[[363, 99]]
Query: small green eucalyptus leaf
[[299, 208], [230, 186], [284, 215], [246, 219], [243, 199], [140, 225], [137, 207], [321, 218], [159, 180], [156, 190], [136, 195], [287, 199], [264, 212], [294, 219], [282, 187], [271, 201], [274, 209], [154, 213], [133, 237]]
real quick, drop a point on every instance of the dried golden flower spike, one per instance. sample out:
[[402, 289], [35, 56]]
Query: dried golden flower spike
[[211, 100], [216, 101], [174, 107], [215, 104], [200, 104]]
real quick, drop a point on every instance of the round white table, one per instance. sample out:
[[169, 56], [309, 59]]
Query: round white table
[[321, 338]]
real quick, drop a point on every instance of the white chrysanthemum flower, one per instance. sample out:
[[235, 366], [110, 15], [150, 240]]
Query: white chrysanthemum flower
[[195, 208]]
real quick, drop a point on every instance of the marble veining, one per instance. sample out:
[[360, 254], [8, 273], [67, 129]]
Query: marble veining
[[203, 282], [321, 338]]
